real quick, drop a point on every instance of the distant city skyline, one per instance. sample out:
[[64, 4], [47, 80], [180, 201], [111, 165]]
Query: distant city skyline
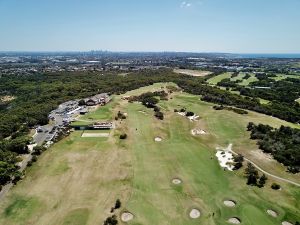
[[235, 26]]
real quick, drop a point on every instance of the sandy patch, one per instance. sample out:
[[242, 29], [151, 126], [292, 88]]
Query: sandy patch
[[225, 159], [176, 181], [195, 73], [195, 213], [95, 135], [158, 139], [229, 203], [261, 155], [191, 118], [126, 216], [286, 223], [272, 213], [198, 132], [234, 220], [7, 98]]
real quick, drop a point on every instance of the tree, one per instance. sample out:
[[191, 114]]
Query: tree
[[275, 186], [118, 204], [159, 115], [123, 136], [238, 161], [112, 220], [190, 114], [251, 174], [81, 102], [262, 180]]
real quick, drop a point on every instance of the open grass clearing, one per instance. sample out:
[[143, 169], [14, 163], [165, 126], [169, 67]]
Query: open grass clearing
[[194, 73], [240, 76], [91, 173], [251, 79], [218, 78]]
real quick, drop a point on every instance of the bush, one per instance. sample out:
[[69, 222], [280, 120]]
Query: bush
[[159, 115], [190, 114], [112, 220], [118, 204], [275, 186], [123, 136], [81, 102], [262, 180]]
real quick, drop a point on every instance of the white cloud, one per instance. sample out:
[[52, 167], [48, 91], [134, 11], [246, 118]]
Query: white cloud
[[185, 4]]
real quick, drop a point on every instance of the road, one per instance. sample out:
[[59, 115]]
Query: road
[[229, 148]]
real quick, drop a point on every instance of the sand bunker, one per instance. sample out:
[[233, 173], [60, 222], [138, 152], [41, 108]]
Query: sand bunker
[[225, 159], [158, 139], [126, 216], [95, 135], [286, 223], [197, 132], [229, 203], [272, 213], [176, 181], [195, 213], [191, 118], [234, 220]]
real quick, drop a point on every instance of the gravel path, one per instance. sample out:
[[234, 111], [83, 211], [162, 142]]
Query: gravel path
[[229, 148]]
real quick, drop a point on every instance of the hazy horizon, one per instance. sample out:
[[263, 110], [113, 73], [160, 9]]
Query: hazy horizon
[[198, 26]]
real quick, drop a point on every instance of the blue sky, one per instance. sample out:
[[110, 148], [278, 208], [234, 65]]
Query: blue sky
[[239, 26]]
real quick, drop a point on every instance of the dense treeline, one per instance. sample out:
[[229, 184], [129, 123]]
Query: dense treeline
[[282, 143]]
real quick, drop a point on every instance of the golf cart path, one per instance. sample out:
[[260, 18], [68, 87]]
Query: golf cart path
[[229, 148]]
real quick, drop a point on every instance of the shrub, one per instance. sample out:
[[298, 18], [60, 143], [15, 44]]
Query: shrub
[[112, 220], [123, 136], [118, 204], [159, 115], [262, 180], [275, 186], [189, 114]]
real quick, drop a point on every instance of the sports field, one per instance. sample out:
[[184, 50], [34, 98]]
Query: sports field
[[78, 180]]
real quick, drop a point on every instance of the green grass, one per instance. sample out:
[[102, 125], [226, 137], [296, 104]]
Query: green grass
[[284, 76], [218, 78], [79, 179], [264, 101], [251, 79], [239, 77], [20, 208], [77, 217]]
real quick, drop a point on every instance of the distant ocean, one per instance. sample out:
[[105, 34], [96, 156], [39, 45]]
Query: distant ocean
[[282, 56]]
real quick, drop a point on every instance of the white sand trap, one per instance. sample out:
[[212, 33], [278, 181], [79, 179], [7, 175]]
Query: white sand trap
[[176, 181], [193, 118], [95, 135], [158, 139], [197, 132], [225, 159], [272, 213], [195, 213], [229, 203], [286, 223], [234, 220], [126, 216]]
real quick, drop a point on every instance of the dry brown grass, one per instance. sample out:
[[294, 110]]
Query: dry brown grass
[[195, 73]]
